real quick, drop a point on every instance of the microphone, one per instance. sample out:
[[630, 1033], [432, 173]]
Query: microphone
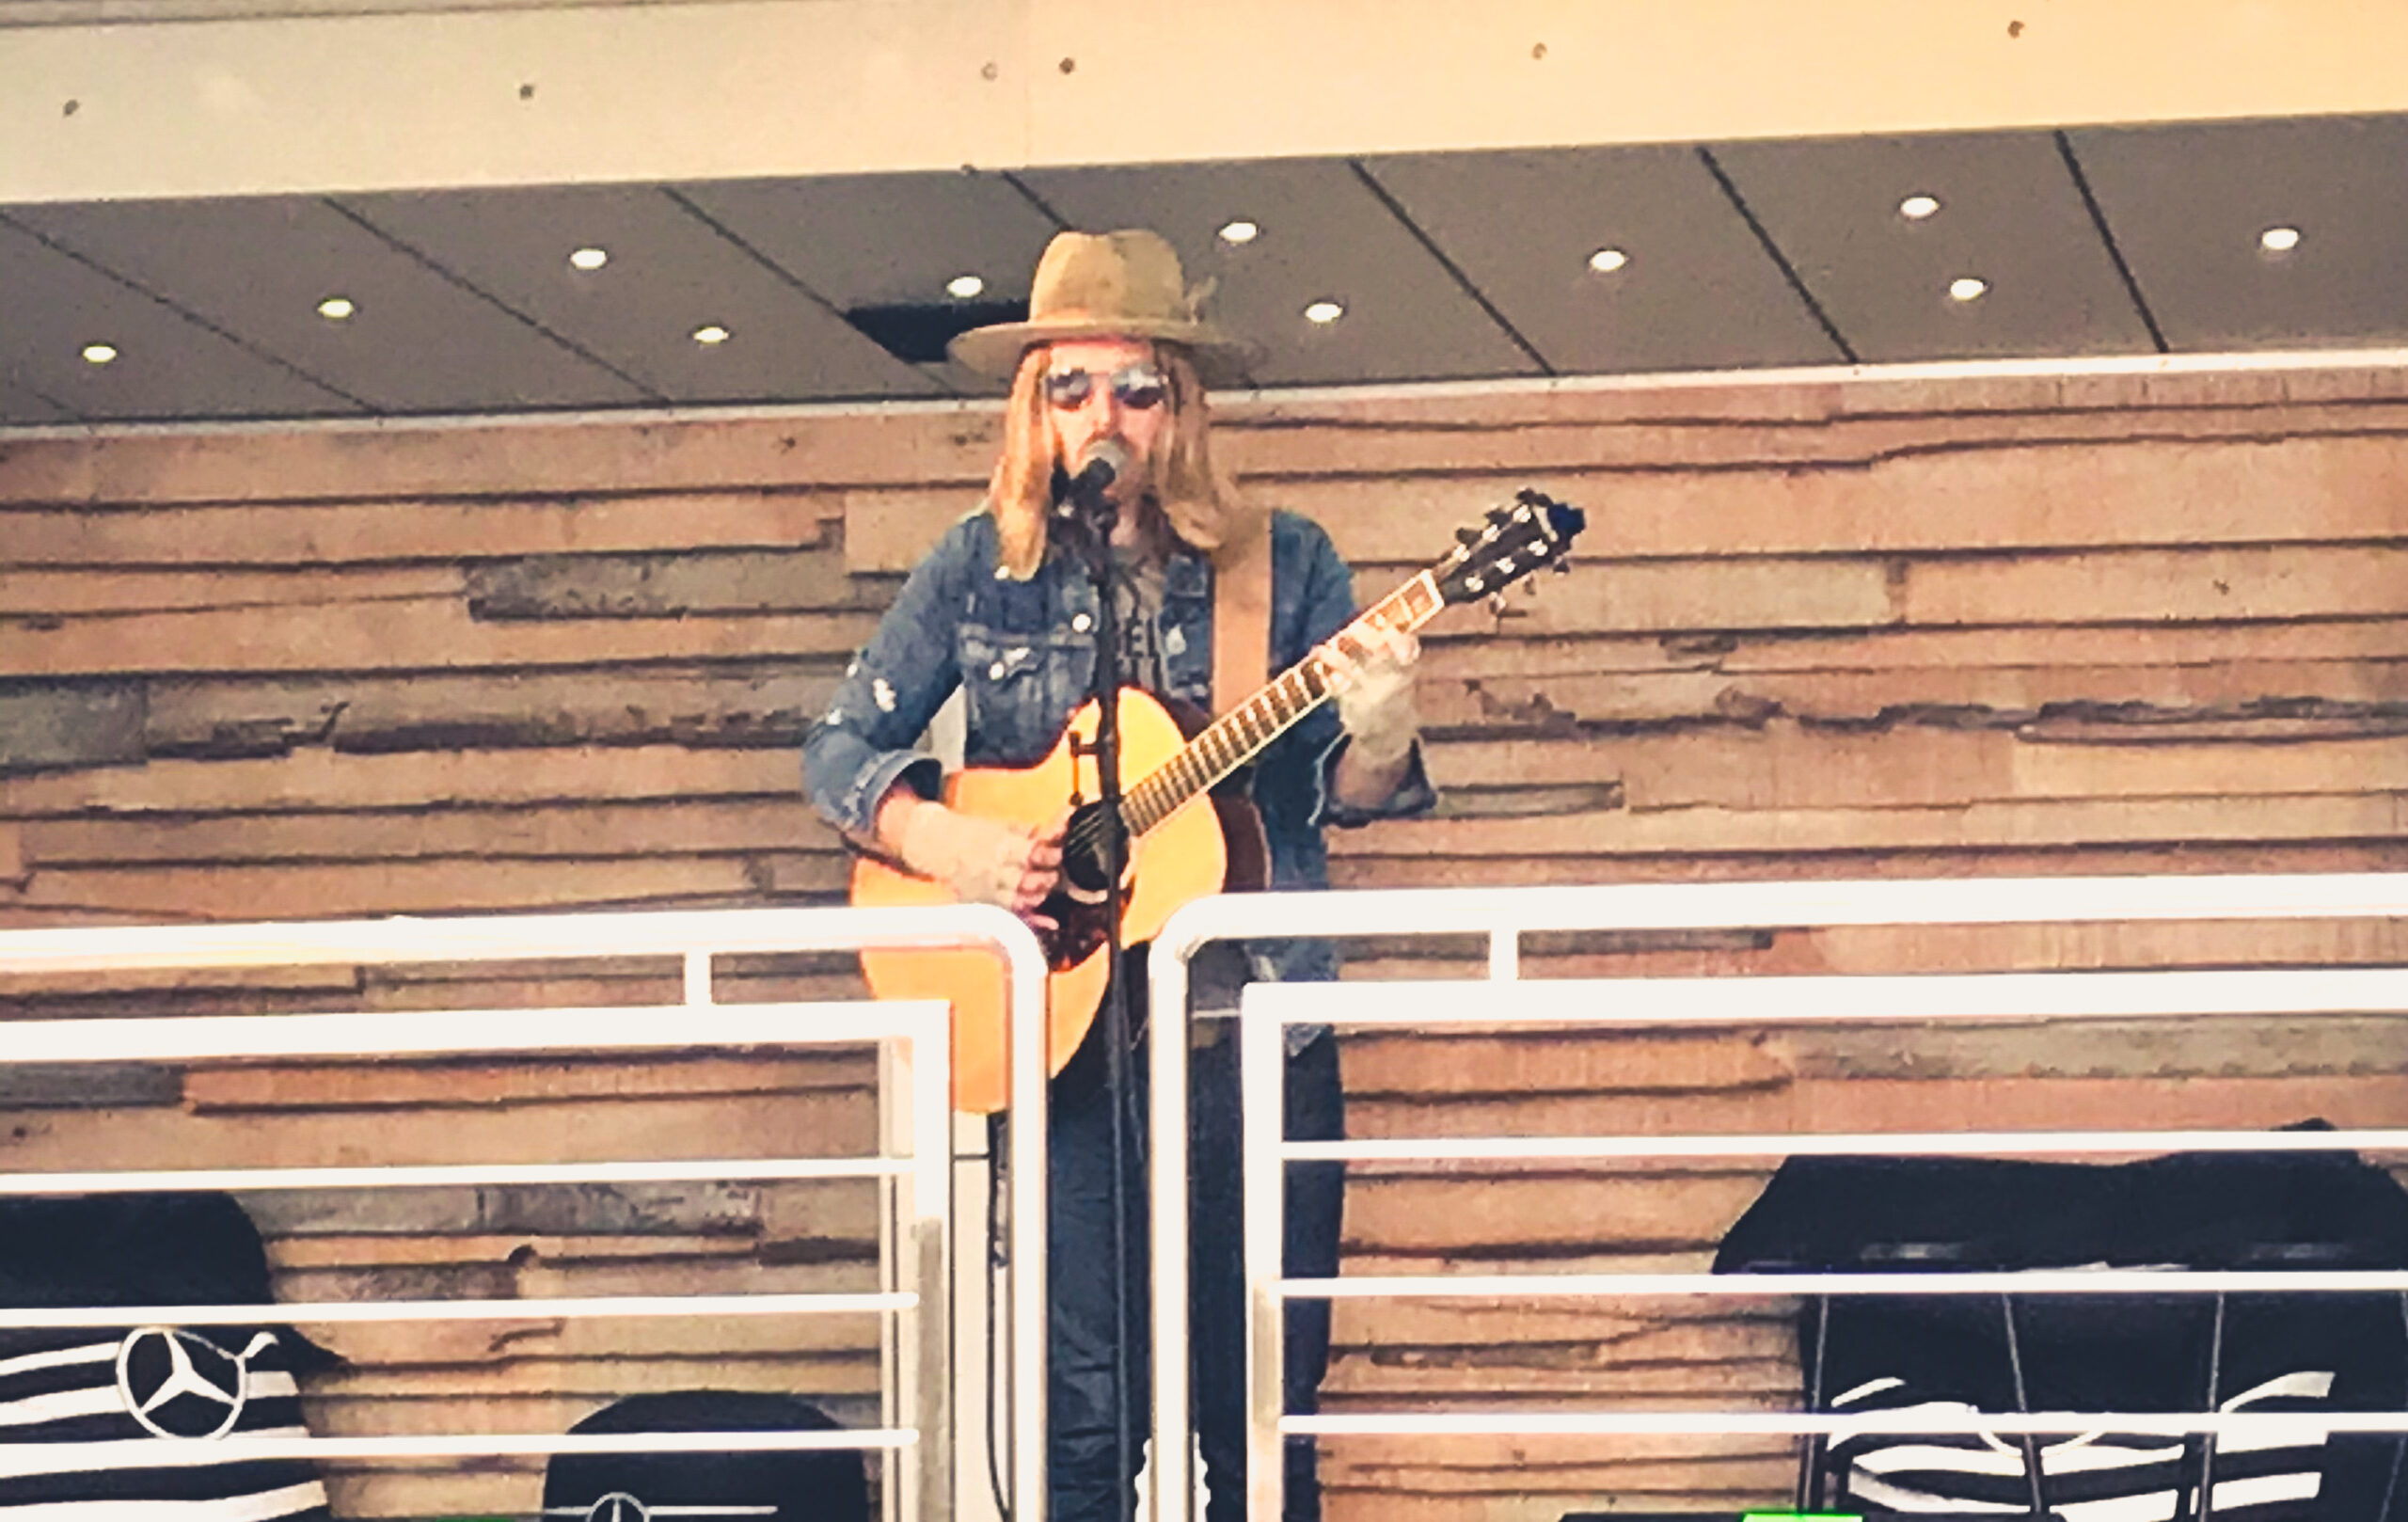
[[1101, 463]]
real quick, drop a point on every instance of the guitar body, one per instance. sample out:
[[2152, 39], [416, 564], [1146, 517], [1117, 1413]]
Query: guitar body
[[1183, 859]]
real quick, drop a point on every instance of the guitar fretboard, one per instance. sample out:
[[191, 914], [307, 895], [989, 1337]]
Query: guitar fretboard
[[1241, 734]]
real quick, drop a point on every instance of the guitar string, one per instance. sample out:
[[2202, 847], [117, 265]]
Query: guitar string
[[1214, 753], [1227, 743]]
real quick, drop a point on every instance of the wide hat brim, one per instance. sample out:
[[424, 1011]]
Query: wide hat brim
[[1221, 358], [1102, 285]]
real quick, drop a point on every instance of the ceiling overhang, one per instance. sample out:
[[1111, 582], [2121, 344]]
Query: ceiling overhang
[[1477, 266]]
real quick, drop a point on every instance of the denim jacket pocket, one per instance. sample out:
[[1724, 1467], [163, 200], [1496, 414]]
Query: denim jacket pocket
[[1022, 688]]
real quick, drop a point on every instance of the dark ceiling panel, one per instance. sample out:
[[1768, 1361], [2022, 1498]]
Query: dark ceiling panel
[[892, 242], [2010, 214], [2188, 204], [1325, 236], [167, 365], [885, 239], [20, 407], [416, 341], [667, 275], [1698, 293]]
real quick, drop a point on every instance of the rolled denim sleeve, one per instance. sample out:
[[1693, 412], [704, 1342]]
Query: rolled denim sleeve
[[1329, 607], [866, 741], [1412, 795]]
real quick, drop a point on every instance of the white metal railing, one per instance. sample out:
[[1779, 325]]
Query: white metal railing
[[1505, 914], [914, 1164]]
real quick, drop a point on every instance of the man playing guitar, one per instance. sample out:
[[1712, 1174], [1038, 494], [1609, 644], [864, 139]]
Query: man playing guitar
[[1112, 364]]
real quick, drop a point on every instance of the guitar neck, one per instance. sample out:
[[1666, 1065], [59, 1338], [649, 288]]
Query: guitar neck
[[1239, 735]]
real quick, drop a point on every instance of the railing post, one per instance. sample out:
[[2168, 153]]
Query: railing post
[[1262, 1073], [1172, 1498]]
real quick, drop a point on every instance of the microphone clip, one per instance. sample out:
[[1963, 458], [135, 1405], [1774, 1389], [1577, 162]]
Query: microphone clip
[[1079, 499]]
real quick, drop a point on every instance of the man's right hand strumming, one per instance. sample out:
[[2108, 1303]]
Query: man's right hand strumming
[[982, 861]]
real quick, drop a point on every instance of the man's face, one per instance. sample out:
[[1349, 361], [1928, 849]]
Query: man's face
[[1106, 389]]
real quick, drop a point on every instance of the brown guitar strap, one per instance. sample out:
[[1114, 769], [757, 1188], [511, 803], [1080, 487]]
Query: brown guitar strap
[[1241, 616]]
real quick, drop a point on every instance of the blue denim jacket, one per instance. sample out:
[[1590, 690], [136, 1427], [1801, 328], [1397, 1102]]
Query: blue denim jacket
[[1025, 650]]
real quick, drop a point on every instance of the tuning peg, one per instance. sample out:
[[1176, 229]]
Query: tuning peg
[[1466, 536]]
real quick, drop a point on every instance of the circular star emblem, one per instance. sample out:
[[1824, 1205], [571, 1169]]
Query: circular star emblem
[[618, 1506], [179, 1384]]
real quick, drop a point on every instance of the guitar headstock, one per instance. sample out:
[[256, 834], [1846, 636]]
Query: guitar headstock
[[1510, 541]]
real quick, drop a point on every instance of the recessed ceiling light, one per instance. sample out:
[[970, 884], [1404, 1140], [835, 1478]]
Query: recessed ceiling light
[[1967, 288], [2278, 239], [589, 259], [712, 333], [335, 308], [962, 287], [1915, 208], [99, 354], [1606, 260], [1324, 312], [1240, 232]]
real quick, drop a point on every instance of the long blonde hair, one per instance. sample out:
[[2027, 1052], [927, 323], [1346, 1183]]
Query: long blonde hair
[[1191, 496]]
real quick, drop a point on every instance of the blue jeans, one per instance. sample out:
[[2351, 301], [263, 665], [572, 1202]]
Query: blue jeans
[[1087, 1467]]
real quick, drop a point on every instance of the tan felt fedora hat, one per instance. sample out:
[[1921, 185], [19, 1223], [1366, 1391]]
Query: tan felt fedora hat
[[1123, 284]]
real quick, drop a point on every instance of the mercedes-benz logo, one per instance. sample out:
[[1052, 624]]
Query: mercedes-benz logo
[[618, 1506], [179, 1384]]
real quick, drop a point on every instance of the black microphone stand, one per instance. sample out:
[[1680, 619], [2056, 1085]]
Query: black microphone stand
[[1090, 518]]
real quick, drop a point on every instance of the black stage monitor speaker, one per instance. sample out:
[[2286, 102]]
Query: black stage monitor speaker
[[1959, 1355], [795, 1486], [124, 1391]]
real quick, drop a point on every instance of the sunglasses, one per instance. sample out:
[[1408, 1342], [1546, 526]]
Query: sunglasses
[[1134, 387]]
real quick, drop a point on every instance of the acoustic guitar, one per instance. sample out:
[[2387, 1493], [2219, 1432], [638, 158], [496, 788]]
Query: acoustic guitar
[[1183, 841]]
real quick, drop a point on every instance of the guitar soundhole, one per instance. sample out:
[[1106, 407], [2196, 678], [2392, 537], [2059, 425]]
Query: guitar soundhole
[[1080, 902], [1085, 845]]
